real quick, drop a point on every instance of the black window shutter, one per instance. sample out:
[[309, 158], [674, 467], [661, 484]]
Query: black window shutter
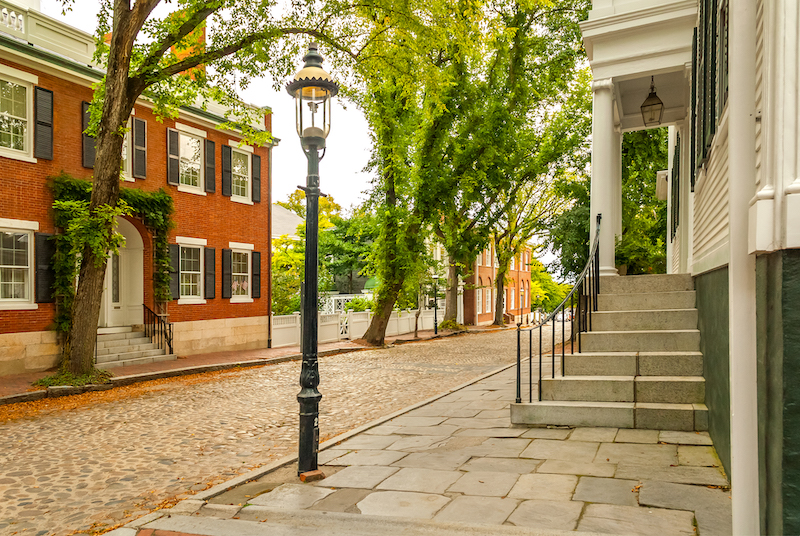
[[139, 148], [211, 166], [173, 157], [43, 127], [255, 286], [693, 124], [175, 271], [227, 280], [210, 274], [226, 170], [45, 276], [87, 141], [256, 178]]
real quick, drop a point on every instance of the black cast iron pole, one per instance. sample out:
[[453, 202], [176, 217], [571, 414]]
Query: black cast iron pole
[[309, 396]]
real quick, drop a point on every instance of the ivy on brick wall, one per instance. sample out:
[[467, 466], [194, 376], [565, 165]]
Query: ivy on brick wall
[[78, 228]]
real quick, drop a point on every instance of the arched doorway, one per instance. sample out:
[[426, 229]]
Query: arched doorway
[[123, 289]]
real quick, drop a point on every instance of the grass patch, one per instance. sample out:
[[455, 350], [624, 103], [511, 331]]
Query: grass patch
[[450, 324], [67, 378]]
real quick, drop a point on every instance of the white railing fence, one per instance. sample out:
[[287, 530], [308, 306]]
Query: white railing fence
[[349, 325]]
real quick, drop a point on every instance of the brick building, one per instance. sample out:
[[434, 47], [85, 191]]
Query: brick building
[[481, 288], [219, 248]]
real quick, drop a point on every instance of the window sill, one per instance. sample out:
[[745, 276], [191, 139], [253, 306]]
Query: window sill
[[241, 299], [128, 179], [18, 306], [241, 200], [190, 190], [15, 155], [191, 301]]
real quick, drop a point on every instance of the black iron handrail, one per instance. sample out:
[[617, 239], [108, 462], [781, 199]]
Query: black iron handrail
[[158, 329], [588, 287]]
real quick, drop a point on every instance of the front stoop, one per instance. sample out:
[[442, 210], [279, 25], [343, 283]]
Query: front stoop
[[122, 347], [640, 366]]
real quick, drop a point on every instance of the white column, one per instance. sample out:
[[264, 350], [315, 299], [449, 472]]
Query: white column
[[605, 146], [741, 270]]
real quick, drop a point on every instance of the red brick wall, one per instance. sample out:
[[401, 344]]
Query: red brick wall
[[486, 275], [24, 195]]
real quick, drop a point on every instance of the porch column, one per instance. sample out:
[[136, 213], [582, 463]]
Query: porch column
[[605, 154], [742, 269]]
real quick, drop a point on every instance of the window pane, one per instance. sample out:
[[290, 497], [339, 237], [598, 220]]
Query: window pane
[[240, 163], [191, 156], [240, 281], [190, 272], [13, 283]]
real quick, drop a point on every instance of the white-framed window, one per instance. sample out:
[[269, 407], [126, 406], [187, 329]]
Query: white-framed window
[[240, 275], [191, 270], [127, 174], [489, 298], [16, 113], [240, 175], [191, 161], [511, 267], [479, 300], [16, 264], [511, 299], [480, 258]]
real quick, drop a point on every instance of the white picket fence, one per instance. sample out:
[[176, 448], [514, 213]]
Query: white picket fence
[[350, 325]]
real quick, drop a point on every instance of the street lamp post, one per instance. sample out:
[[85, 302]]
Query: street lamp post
[[435, 304], [312, 89]]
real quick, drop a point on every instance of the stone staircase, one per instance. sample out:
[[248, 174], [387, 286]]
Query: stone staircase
[[641, 365], [120, 347]]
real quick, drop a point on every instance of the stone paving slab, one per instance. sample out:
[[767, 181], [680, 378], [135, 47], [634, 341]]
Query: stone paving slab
[[417, 443], [634, 435], [446, 461], [504, 465], [485, 483], [544, 487], [577, 468], [368, 457], [402, 504], [606, 435], [422, 480], [342, 500], [685, 438], [368, 442], [548, 449], [491, 432], [635, 453], [547, 433], [630, 520], [483, 510], [697, 455], [407, 421], [712, 507], [358, 476], [558, 515], [291, 497], [607, 491], [704, 476], [508, 447]]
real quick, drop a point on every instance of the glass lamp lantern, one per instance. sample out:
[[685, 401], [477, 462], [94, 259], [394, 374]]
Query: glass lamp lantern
[[312, 89], [652, 107]]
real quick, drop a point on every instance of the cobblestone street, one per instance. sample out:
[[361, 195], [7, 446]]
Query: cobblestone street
[[103, 463]]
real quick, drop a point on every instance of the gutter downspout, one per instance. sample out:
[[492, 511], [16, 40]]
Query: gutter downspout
[[742, 270]]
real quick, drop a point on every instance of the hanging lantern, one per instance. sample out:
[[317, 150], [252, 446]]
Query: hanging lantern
[[652, 107]]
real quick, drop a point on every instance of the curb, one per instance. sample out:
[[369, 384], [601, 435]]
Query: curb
[[259, 472]]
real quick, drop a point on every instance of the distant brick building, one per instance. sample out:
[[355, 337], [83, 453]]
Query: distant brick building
[[480, 288], [220, 247]]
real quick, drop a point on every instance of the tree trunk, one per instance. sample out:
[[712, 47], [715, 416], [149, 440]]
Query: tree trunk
[[416, 317], [117, 106], [498, 302], [376, 332], [451, 294]]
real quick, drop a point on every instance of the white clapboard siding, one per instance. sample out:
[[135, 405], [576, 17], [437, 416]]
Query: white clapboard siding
[[711, 206]]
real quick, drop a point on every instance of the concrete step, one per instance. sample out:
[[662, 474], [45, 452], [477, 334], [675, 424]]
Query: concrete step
[[123, 349], [671, 389], [685, 340], [121, 329], [653, 389], [130, 334], [646, 283], [137, 361], [644, 320], [686, 417], [634, 364], [645, 301], [116, 343], [127, 356]]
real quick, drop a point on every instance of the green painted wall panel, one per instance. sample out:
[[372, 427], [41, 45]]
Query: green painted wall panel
[[712, 306], [790, 305]]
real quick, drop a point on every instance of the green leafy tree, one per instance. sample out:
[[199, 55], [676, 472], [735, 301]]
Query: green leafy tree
[[345, 247], [328, 208], [164, 59]]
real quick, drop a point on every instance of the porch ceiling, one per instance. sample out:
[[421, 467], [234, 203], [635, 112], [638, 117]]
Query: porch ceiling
[[628, 41]]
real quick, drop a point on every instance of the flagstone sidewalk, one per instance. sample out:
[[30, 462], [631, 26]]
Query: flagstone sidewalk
[[455, 465]]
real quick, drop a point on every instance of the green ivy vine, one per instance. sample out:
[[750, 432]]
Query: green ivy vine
[[78, 228]]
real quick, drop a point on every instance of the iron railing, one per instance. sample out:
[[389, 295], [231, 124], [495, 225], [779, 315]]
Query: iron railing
[[582, 302], [158, 329]]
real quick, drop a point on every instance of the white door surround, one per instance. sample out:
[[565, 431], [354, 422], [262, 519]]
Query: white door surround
[[123, 289]]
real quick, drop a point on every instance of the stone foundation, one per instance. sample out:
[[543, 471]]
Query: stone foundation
[[205, 336], [28, 352]]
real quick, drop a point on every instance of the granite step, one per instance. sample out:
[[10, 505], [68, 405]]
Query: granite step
[[634, 364], [649, 389], [645, 301], [644, 320], [127, 356], [632, 284], [687, 340], [137, 361], [130, 348], [132, 341]]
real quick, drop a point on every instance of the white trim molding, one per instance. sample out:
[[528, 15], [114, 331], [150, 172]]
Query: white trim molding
[[241, 146], [241, 245], [191, 130], [19, 224], [16, 73], [185, 240]]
